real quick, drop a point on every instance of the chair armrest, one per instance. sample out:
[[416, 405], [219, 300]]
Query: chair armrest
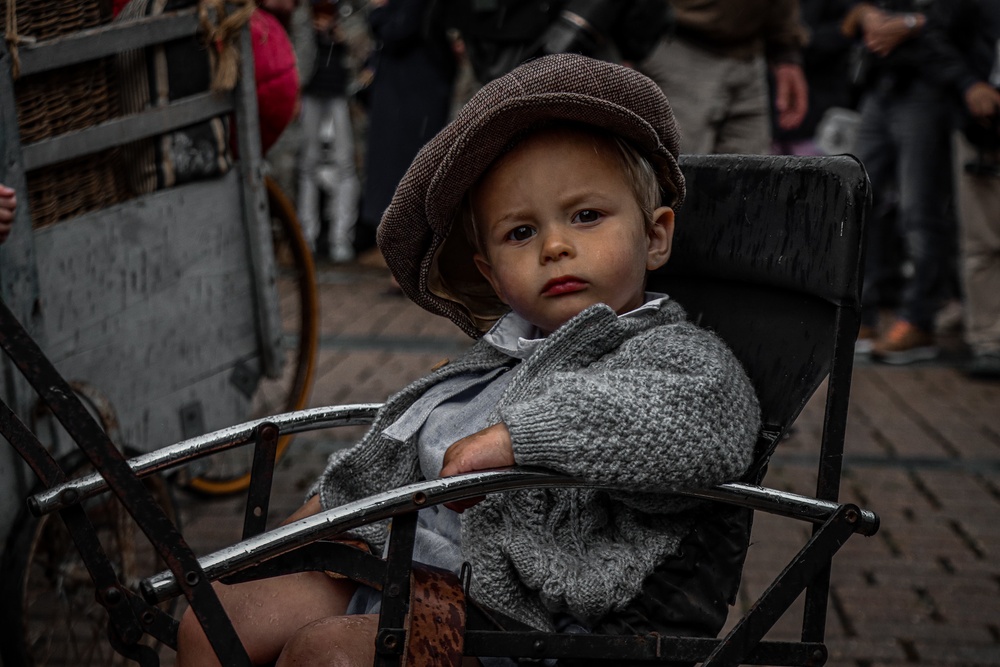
[[71, 492], [415, 496], [783, 503]]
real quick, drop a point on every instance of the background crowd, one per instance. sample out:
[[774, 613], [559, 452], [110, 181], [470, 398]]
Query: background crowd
[[910, 87]]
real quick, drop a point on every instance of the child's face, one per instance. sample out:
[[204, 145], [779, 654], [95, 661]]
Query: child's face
[[561, 229]]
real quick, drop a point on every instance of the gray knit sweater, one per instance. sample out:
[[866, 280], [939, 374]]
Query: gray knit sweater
[[643, 404]]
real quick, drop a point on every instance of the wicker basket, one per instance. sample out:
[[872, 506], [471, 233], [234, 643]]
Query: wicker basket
[[45, 19], [68, 189], [64, 100]]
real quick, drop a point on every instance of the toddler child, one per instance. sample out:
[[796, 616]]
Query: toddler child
[[531, 221]]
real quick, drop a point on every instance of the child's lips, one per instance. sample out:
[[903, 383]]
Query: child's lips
[[563, 285]]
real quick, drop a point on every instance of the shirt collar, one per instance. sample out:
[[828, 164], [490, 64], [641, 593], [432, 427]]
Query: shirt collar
[[516, 337]]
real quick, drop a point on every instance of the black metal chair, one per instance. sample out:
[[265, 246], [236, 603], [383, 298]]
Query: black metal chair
[[767, 254]]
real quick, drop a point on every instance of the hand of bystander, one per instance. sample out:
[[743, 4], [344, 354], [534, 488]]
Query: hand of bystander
[[8, 203]]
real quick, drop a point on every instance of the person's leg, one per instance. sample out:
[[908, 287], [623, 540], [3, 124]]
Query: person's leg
[[340, 641], [978, 199], [336, 641], [344, 203], [877, 152], [922, 127], [307, 205], [266, 614], [746, 128], [693, 81]]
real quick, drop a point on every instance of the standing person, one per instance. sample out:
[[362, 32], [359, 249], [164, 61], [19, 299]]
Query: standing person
[[964, 39], [904, 142], [713, 68], [825, 63], [531, 222], [324, 100], [501, 34], [8, 206], [409, 98]]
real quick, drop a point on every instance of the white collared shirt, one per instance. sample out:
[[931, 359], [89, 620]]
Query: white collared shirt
[[516, 337]]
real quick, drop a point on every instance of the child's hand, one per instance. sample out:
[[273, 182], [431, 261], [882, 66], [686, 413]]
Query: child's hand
[[489, 448]]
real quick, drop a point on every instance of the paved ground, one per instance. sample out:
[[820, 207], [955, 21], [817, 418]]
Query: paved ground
[[923, 451]]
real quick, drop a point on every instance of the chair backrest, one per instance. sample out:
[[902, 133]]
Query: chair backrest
[[767, 253]]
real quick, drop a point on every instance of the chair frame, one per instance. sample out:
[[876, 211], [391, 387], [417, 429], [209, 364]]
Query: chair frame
[[300, 545]]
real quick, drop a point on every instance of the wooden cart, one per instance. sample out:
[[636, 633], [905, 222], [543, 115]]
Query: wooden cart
[[174, 312]]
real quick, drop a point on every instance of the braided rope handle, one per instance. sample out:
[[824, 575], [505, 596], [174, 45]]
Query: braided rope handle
[[13, 39], [221, 28]]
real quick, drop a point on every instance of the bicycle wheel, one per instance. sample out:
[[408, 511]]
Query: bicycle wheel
[[50, 615], [298, 302]]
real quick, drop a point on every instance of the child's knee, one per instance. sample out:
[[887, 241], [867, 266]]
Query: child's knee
[[337, 641]]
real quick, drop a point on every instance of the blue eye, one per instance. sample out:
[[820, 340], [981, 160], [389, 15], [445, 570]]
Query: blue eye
[[587, 215], [521, 233]]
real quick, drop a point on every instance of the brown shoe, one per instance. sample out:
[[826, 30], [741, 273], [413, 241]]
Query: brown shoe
[[904, 343]]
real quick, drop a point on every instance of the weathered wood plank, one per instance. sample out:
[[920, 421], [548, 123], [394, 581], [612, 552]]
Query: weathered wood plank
[[105, 41], [149, 299], [156, 421], [119, 131]]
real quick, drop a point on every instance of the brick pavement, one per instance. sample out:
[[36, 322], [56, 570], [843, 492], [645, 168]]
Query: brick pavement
[[923, 451]]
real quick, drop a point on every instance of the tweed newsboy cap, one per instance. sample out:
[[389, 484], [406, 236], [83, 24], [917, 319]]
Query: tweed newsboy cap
[[429, 256]]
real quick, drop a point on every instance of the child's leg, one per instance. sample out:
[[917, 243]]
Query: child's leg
[[341, 641], [266, 614]]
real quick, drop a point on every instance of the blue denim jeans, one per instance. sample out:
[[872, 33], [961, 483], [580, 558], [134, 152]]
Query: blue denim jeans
[[904, 143]]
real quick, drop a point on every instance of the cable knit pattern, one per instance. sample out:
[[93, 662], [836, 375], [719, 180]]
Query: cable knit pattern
[[644, 404]]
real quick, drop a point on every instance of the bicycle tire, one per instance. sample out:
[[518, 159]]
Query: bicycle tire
[[50, 616], [298, 297]]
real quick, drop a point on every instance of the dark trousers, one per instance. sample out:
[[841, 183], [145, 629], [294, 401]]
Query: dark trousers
[[904, 143]]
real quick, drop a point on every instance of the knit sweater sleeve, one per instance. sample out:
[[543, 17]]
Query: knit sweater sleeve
[[670, 408]]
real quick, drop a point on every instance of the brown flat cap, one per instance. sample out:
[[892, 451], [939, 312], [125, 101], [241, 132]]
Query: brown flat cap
[[431, 261]]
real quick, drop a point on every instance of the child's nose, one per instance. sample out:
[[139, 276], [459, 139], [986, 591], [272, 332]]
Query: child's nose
[[556, 244]]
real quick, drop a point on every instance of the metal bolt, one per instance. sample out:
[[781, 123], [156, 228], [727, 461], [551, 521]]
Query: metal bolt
[[269, 431], [112, 595], [191, 578], [419, 498], [69, 496], [390, 641], [147, 618], [851, 516], [393, 590], [539, 646]]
